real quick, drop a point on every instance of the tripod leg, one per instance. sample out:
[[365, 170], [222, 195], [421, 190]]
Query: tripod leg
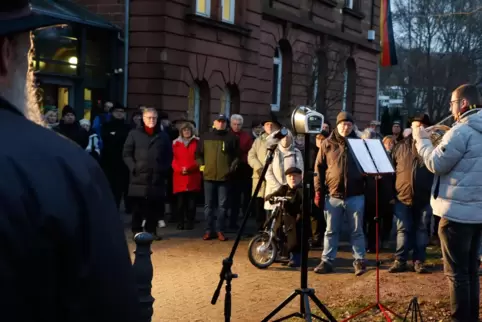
[[408, 311], [280, 307], [322, 308], [306, 300]]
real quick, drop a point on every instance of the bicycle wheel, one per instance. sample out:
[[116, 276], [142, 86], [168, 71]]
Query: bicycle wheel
[[262, 252]]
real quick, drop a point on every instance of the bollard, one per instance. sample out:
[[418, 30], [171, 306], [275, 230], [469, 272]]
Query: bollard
[[143, 271]]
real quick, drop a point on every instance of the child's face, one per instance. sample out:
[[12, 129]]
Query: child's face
[[293, 179]]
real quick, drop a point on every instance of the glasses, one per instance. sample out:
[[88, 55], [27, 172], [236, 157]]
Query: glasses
[[150, 117], [455, 101]]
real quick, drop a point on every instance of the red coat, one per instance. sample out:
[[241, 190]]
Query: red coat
[[185, 157]]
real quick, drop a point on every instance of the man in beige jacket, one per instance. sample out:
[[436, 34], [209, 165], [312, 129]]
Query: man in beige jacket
[[256, 160]]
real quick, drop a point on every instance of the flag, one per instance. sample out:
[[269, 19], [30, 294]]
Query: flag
[[388, 56]]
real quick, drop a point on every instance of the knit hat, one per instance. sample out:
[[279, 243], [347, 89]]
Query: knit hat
[[293, 170], [67, 110], [117, 106], [344, 117], [422, 118]]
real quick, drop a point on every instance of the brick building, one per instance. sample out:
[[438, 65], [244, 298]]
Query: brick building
[[197, 58]]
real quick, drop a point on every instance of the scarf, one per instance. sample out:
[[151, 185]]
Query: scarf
[[149, 130]]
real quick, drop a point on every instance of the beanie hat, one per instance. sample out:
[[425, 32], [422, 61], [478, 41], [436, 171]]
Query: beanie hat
[[117, 106], [344, 117], [67, 110], [422, 118]]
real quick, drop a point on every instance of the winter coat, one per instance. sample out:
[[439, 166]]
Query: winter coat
[[185, 157], [219, 152], [413, 181], [114, 136], [337, 170], [145, 155], [63, 250], [457, 165], [74, 132], [256, 160], [275, 176]]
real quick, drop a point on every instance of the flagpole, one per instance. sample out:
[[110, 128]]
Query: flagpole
[[378, 91]]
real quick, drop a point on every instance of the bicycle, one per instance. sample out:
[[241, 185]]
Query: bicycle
[[263, 255]]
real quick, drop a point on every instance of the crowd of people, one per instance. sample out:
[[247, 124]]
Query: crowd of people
[[63, 246]]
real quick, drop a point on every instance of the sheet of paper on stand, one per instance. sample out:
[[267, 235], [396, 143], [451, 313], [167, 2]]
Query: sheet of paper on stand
[[379, 156], [362, 155]]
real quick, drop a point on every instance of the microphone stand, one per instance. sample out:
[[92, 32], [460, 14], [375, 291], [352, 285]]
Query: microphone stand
[[226, 274]]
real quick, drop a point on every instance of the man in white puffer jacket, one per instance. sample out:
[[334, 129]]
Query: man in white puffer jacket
[[457, 198]]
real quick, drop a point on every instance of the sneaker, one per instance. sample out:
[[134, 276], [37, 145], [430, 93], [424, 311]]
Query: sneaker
[[398, 267], [360, 267], [323, 268], [420, 268], [295, 260], [161, 224]]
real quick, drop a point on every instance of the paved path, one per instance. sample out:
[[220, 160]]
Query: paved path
[[186, 272]]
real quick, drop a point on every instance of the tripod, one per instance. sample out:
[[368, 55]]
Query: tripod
[[304, 292], [377, 305], [416, 312], [226, 273]]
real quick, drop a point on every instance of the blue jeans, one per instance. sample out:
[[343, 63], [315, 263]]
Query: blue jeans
[[412, 233], [215, 194], [335, 211]]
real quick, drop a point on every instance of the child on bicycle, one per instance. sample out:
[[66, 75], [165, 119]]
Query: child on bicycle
[[293, 208]]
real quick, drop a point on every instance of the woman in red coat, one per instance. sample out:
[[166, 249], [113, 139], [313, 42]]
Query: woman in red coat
[[186, 175]]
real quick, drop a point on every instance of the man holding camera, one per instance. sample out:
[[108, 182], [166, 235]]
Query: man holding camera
[[457, 198]]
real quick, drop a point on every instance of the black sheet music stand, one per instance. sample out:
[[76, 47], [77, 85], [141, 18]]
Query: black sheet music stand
[[373, 161]]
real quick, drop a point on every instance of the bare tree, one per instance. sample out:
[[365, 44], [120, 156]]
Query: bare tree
[[439, 47]]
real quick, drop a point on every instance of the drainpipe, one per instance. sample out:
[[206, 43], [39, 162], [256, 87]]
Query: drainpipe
[[126, 50], [378, 88]]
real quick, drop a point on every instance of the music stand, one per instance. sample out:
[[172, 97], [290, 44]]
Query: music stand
[[304, 292], [372, 160]]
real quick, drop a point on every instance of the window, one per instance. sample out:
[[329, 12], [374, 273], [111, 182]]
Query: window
[[315, 74], [228, 10], [194, 104], [345, 89], [277, 72], [203, 7], [226, 102], [349, 4]]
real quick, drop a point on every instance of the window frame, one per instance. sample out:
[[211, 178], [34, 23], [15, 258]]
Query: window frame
[[196, 103], [345, 90], [278, 60], [208, 9], [232, 11], [350, 4], [227, 100], [315, 73]]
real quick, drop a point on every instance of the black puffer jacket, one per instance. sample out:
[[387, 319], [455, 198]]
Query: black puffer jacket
[[144, 155], [413, 182], [336, 167]]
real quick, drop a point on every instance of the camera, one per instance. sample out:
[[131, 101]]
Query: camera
[[306, 120]]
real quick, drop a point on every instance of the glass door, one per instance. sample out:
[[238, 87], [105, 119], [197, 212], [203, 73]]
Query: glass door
[[55, 94]]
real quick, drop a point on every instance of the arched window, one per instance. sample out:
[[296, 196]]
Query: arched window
[[345, 89], [194, 104], [315, 74], [318, 82], [199, 101], [277, 73], [226, 102], [350, 85]]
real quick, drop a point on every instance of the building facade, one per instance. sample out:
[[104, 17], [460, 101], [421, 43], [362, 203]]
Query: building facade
[[199, 58], [75, 63]]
